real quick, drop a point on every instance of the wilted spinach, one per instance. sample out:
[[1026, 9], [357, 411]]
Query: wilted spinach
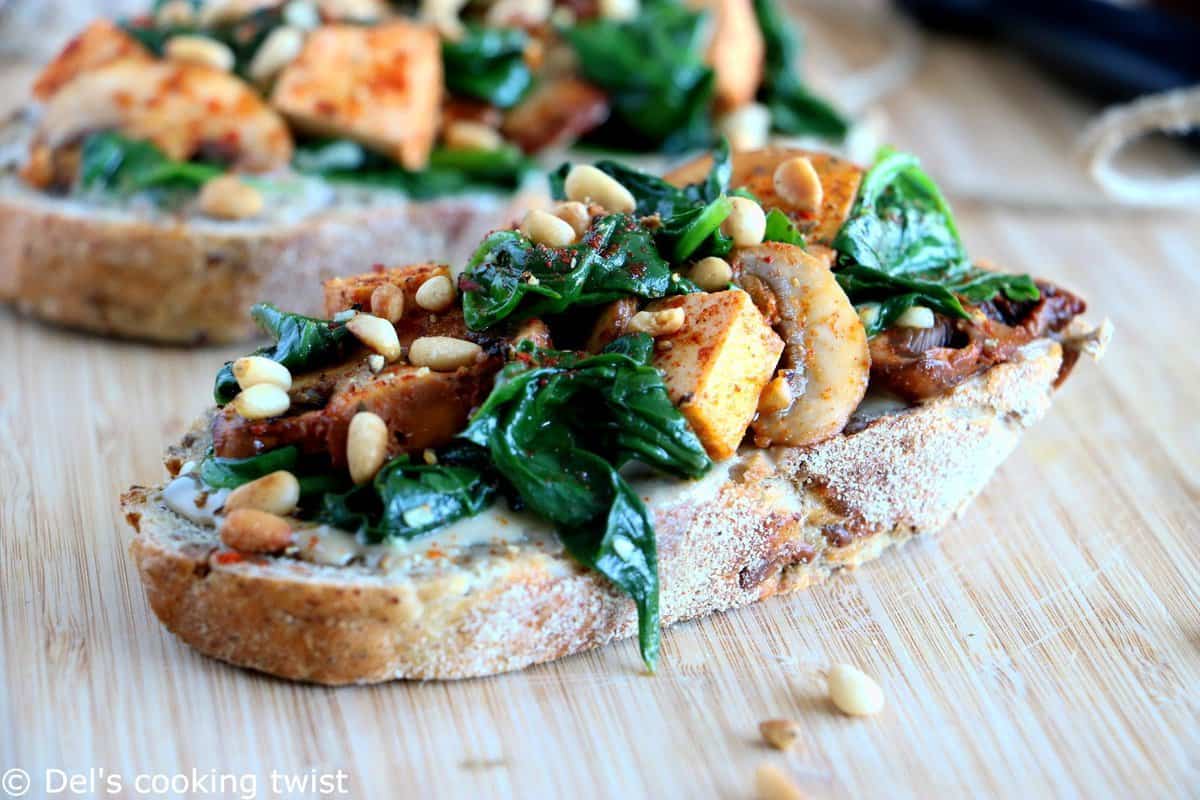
[[243, 35], [781, 229], [558, 427], [488, 64], [510, 276], [654, 71], [449, 171], [301, 343], [900, 247], [407, 499], [115, 163], [794, 108]]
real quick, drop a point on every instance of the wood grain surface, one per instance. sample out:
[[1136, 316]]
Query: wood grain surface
[[1048, 644]]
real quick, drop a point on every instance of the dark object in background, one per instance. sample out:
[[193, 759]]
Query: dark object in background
[[1113, 53]]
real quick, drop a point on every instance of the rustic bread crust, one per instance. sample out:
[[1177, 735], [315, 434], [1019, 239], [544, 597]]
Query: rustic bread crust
[[191, 280], [782, 520]]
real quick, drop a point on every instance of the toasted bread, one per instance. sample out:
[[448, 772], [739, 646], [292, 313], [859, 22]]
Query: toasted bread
[[768, 522], [139, 272]]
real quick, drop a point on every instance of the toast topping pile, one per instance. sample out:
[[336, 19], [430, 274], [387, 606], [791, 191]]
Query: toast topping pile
[[428, 100], [749, 301]]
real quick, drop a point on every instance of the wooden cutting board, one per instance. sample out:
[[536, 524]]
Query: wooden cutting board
[[1048, 644]]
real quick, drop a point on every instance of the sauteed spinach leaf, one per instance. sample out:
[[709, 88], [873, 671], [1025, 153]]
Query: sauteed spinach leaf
[[900, 247], [558, 427], [488, 64], [115, 163], [301, 344]]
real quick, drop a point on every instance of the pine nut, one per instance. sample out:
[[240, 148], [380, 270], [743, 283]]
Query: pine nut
[[868, 314], [175, 14], [214, 12], [253, 531], [546, 229], [200, 50], [387, 302], [366, 446], [657, 323], [585, 184], [443, 353], [853, 691], [519, 13], [377, 334], [916, 317], [261, 401], [468, 135], [746, 224], [747, 127], [576, 215], [277, 493], [302, 14], [375, 362], [770, 783], [281, 47], [776, 396], [436, 294], [779, 733], [711, 274], [227, 197], [797, 182], [618, 9], [253, 370]]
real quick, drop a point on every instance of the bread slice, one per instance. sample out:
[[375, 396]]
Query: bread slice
[[763, 523], [138, 272]]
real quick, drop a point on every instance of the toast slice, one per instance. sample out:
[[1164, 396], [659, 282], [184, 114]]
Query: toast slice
[[140, 272], [765, 522]]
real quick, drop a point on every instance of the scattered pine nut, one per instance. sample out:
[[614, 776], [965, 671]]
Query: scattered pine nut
[[586, 183], [376, 333], [436, 294], [779, 733], [797, 182], [776, 396], [657, 323], [443, 353], [916, 317], [228, 197], [261, 401], [199, 50], [576, 215], [468, 135], [544, 228], [253, 370], [253, 531], [711, 274], [276, 493], [747, 127], [746, 224], [281, 47], [375, 362], [770, 783], [387, 302], [366, 446], [853, 691]]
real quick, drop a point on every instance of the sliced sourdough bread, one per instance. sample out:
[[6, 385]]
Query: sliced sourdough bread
[[763, 523], [133, 270]]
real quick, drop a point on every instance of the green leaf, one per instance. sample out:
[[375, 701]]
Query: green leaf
[[114, 163], [900, 247], [794, 108], [301, 344], [781, 229], [558, 427], [488, 64], [510, 276], [654, 70], [406, 500], [450, 171], [689, 230], [230, 473], [243, 35]]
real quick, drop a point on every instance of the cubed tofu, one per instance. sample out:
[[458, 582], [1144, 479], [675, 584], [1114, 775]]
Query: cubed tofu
[[101, 43], [736, 51], [381, 86], [716, 366]]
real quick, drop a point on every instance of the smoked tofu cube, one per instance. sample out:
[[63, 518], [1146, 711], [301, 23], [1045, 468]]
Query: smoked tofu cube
[[381, 86], [717, 365], [100, 44]]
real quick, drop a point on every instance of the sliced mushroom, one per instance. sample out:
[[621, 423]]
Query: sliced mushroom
[[825, 358], [184, 109]]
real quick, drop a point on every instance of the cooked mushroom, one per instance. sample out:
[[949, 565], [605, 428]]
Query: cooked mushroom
[[825, 359]]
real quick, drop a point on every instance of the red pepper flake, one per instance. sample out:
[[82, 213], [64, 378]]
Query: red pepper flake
[[229, 557], [433, 552], [378, 267]]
